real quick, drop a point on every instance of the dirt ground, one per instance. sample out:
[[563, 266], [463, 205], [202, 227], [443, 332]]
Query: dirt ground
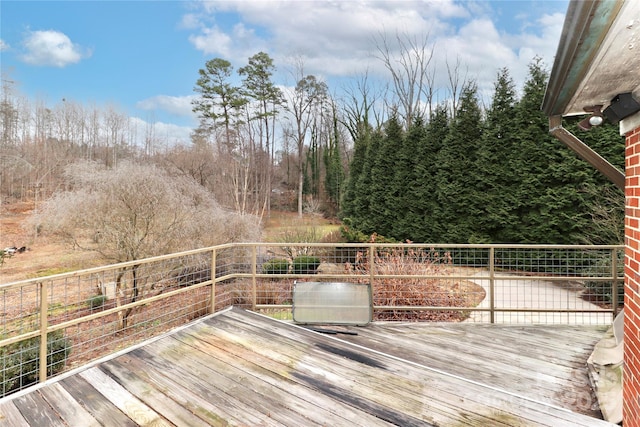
[[43, 256]]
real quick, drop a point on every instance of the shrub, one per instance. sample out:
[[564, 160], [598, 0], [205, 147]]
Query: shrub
[[598, 291], [21, 361], [97, 301], [417, 291], [305, 264], [276, 266]]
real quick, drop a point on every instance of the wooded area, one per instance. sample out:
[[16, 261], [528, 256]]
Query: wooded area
[[391, 162], [484, 176]]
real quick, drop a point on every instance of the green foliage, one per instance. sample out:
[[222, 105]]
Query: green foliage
[[97, 301], [350, 234], [362, 210], [305, 264], [334, 178], [276, 266], [492, 176], [219, 101], [385, 193], [21, 361], [496, 177], [428, 227], [348, 204], [460, 206]]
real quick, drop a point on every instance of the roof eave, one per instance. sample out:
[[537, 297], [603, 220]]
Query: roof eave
[[586, 25]]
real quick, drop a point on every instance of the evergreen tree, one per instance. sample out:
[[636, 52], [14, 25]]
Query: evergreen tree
[[385, 193], [604, 202], [334, 177], [362, 218], [456, 177], [219, 102], [430, 227], [533, 148], [551, 204], [494, 167], [408, 183], [356, 167]]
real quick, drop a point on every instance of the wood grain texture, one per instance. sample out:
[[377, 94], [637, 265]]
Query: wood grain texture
[[240, 368]]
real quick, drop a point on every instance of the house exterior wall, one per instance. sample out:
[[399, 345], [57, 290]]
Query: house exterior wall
[[631, 381]]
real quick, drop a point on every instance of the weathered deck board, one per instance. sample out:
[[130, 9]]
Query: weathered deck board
[[175, 409], [10, 416], [538, 362], [69, 409], [273, 374], [125, 401], [241, 368], [95, 403], [260, 338]]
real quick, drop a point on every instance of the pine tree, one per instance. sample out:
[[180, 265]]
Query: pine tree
[[604, 202], [533, 148]]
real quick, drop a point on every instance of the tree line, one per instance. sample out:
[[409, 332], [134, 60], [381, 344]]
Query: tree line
[[393, 159], [493, 176]]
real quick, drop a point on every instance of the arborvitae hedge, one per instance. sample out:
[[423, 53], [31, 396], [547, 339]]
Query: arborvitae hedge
[[494, 176]]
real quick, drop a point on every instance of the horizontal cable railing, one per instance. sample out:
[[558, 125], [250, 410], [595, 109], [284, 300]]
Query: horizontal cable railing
[[55, 323]]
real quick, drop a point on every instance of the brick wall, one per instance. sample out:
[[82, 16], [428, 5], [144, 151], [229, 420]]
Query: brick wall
[[631, 390]]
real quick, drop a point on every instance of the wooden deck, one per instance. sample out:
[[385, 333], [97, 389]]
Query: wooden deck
[[241, 368]]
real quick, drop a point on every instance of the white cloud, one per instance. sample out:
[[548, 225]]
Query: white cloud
[[338, 39], [190, 21], [3, 45], [177, 105], [51, 48]]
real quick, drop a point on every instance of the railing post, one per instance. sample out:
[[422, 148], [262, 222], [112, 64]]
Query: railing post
[[44, 324], [254, 261], [614, 283], [492, 300], [372, 264], [213, 280]]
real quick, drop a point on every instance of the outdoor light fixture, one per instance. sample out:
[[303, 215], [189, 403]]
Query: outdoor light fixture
[[595, 119], [622, 105]]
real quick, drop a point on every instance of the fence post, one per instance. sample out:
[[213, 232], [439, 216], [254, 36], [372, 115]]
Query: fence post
[[614, 283], [492, 302], [254, 261], [372, 263], [44, 324], [213, 280]]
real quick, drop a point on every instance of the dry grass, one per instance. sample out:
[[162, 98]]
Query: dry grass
[[288, 226]]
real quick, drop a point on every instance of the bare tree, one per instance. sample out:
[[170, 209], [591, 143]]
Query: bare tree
[[359, 112], [305, 103], [412, 78], [457, 83], [267, 99], [136, 211]]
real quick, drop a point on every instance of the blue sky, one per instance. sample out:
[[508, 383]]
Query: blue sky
[[143, 56]]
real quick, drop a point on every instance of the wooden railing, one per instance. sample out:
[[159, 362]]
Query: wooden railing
[[51, 324]]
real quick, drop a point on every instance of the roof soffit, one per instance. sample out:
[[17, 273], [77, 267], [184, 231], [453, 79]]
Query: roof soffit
[[598, 56]]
